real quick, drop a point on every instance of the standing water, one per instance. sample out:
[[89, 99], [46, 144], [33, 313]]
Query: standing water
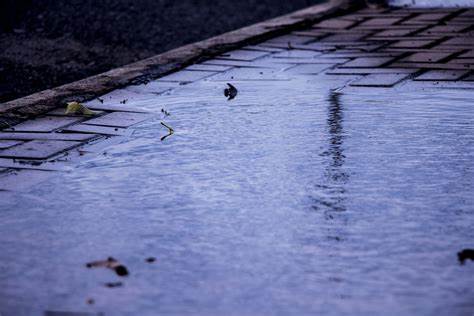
[[291, 199]]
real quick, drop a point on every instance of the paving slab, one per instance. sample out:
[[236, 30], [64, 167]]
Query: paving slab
[[44, 124], [308, 69], [469, 54], [254, 74], [435, 17], [186, 76], [382, 21], [368, 62], [440, 29], [412, 44], [38, 149], [231, 63], [119, 119], [460, 41], [335, 24], [152, 87], [390, 33], [352, 37], [8, 143], [380, 80], [203, 67], [465, 61], [44, 136], [427, 57], [442, 75], [285, 39], [366, 71], [446, 66], [96, 130], [241, 54], [469, 78], [296, 53], [31, 165]]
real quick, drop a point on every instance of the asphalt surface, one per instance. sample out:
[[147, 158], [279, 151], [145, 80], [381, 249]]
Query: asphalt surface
[[49, 43]]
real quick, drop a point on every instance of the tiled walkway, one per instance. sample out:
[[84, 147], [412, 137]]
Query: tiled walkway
[[390, 49]]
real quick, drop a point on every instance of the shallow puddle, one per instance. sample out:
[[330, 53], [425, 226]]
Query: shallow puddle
[[290, 199]]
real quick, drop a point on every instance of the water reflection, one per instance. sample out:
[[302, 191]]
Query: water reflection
[[330, 194]]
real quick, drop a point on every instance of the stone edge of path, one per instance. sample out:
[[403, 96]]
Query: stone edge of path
[[15, 111]]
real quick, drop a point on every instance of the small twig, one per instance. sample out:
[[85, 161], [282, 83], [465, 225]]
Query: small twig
[[170, 131]]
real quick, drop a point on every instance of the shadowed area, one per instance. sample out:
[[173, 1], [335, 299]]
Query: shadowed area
[[47, 43]]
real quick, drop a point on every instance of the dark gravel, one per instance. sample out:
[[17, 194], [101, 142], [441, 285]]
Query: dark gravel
[[46, 43]]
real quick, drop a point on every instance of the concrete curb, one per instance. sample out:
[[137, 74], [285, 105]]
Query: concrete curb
[[33, 105]]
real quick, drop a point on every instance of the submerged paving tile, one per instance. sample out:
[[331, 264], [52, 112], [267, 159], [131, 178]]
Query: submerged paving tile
[[285, 39], [152, 87], [8, 143], [38, 149], [117, 98], [186, 76], [44, 124], [97, 129], [204, 67], [241, 54], [45, 136], [119, 119], [31, 165], [117, 108], [251, 74], [296, 53], [308, 69], [19, 180], [231, 63], [366, 71], [379, 80]]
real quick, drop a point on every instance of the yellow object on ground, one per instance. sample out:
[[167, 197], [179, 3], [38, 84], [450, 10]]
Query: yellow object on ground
[[79, 109]]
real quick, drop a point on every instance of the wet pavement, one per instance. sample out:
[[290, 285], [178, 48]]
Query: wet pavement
[[338, 181]]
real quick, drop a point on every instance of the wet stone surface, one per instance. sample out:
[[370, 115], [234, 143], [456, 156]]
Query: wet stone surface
[[328, 188]]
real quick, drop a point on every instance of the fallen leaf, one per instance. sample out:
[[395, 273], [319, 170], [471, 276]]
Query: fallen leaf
[[230, 92], [110, 263], [78, 109]]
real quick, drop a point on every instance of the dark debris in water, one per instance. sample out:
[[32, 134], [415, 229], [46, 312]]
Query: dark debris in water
[[230, 92], [166, 113], [465, 254], [150, 259], [113, 284], [110, 263]]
